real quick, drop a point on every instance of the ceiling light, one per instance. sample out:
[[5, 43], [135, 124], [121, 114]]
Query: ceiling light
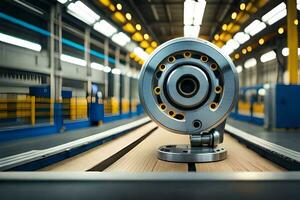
[[199, 12], [285, 51], [255, 27], [244, 51], [128, 16], [237, 56], [193, 12], [239, 68], [20, 42], [281, 30], [224, 27], [241, 37], [97, 66], [146, 36], [261, 41], [250, 63], [232, 44], [141, 53], [233, 15], [138, 27], [106, 69], [130, 46], [154, 44], [62, 1], [120, 38], [73, 60], [275, 14], [119, 6], [82, 12], [217, 37], [227, 50], [242, 6], [191, 31], [105, 28], [271, 55], [249, 48], [262, 92], [116, 71]]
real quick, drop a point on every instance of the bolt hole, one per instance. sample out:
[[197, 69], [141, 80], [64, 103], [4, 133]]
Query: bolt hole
[[162, 67], [204, 58], [187, 54], [197, 124], [213, 106], [179, 117], [171, 113], [163, 106], [157, 90], [171, 59], [218, 89], [214, 66]]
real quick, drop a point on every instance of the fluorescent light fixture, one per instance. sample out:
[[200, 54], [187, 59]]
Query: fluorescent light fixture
[[255, 27], [105, 28], [227, 50], [189, 6], [250, 63], [97, 66], [20, 42], [116, 71], [199, 12], [130, 46], [106, 69], [239, 68], [120, 38], [285, 51], [232, 44], [129, 74], [62, 1], [191, 31], [193, 12], [271, 55], [73, 60], [82, 12], [275, 14], [141, 53], [241, 37]]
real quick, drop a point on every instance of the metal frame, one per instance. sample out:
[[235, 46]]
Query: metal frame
[[280, 155], [36, 159], [243, 185]]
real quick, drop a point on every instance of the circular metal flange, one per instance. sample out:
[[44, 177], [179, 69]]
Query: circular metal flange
[[187, 72], [186, 154]]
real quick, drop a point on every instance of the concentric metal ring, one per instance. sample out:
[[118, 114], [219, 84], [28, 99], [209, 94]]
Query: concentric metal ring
[[207, 67]]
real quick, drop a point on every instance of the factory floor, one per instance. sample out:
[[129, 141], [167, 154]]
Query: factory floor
[[13, 147], [288, 138]]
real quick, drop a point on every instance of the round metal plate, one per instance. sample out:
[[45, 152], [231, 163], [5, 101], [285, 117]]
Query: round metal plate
[[186, 154]]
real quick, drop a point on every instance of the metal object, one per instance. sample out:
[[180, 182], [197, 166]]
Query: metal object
[[188, 86], [166, 186]]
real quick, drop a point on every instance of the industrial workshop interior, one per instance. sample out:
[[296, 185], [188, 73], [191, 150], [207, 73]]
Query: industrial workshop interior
[[149, 99]]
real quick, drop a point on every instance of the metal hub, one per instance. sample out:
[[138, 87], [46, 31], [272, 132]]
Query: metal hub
[[188, 86]]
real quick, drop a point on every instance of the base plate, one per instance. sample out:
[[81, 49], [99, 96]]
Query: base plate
[[186, 154]]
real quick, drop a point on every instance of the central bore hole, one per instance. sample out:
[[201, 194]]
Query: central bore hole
[[187, 86]]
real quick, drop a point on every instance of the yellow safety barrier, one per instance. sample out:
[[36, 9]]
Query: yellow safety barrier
[[32, 110], [125, 106], [78, 108], [133, 105]]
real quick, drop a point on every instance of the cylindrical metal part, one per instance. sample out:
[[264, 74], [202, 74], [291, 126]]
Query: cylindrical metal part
[[188, 86]]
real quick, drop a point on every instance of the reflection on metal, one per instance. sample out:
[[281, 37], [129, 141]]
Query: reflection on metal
[[198, 88]]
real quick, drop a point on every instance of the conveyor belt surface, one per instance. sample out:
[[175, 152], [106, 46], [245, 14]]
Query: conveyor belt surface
[[143, 158], [43, 142]]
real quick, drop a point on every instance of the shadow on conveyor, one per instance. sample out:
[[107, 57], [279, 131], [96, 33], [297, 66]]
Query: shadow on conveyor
[[289, 138], [13, 147]]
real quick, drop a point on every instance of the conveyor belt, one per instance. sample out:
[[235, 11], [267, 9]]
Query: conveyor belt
[[142, 158]]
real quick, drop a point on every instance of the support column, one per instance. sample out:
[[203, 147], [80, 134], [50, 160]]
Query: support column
[[55, 51], [117, 80], [106, 63], [88, 60], [292, 36]]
